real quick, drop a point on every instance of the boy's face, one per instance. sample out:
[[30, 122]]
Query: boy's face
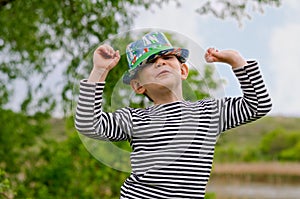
[[165, 71]]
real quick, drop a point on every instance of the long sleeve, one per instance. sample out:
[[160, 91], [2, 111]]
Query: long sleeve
[[91, 121], [255, 102]]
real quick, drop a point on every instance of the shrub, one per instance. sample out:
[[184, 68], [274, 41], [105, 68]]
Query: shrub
[[280, 145]]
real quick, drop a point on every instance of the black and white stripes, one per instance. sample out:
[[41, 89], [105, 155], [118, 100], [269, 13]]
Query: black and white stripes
[[172, 144]]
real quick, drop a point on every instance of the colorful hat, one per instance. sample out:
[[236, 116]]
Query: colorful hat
[[151, 46]]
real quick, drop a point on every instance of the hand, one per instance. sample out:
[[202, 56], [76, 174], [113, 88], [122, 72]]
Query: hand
[[105, 58], [230, 57]]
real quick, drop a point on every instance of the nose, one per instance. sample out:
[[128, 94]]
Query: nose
[[159, 62]]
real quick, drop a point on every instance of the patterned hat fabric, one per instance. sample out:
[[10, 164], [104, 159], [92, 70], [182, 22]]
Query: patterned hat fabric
[[151, 46]]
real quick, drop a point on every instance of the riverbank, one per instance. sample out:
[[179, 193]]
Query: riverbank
[[269, 172], [264, 180]]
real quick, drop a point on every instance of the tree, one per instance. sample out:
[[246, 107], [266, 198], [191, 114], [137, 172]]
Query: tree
[[5, 186], [238, 10], [41, 39]]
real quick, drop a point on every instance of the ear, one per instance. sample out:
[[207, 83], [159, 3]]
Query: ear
[[137, 87], [184, 71]]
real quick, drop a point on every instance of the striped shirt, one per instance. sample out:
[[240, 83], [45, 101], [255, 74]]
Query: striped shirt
[[172, 144]]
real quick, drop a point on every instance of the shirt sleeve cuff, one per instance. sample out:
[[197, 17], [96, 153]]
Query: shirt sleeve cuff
[[249, 63], [85, 82]]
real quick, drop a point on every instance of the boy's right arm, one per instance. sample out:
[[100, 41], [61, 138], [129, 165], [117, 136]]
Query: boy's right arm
[[105, 58], [90, 120]]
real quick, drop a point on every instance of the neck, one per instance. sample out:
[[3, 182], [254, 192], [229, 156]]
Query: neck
[[164, 96]]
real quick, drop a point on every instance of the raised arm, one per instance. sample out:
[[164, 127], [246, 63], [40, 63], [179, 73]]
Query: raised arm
[[90, 120], [255, 101]]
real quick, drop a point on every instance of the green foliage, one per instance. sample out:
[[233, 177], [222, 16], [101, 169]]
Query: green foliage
[[210, 196], [291, 153], [67, 170], [5, 186], [198, 86], [281, 145], [18, 133], [269, 139], [38, 38], [51, 166]]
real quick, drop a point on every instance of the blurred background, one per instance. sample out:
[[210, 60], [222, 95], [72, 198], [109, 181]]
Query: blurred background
[[45, 49]]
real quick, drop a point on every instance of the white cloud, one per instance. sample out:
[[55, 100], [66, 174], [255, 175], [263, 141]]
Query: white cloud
[[285, 51]]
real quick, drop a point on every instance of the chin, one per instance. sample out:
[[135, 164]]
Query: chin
[[168, 83]]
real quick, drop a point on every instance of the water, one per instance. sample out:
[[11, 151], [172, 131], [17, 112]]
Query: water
[[254, 190]]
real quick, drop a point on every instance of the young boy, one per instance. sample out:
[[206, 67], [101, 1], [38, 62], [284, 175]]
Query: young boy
[[172, 141]]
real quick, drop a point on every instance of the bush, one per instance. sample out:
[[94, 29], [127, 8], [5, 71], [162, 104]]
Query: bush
[[277, 145], [65, 169], [281, 145], [291, 154], [50, 165]]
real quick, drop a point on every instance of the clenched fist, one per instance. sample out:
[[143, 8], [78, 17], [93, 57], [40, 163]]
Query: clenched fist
[[230, 57], [104, 58]]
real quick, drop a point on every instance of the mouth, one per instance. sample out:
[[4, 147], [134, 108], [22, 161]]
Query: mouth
[[163, 72]]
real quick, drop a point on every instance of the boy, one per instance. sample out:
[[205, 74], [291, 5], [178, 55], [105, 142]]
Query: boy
[[172, 141]]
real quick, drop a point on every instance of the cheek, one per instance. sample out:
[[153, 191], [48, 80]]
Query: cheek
[[144, 76]]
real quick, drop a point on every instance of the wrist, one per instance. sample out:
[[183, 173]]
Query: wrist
[[237, 62], [98, 75]]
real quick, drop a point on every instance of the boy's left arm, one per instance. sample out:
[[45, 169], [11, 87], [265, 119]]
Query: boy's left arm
[[254, 103]]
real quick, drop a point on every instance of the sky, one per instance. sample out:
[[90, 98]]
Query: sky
[[272, 38]]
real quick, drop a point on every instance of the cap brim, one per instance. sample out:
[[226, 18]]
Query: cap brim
[[181, 53]]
